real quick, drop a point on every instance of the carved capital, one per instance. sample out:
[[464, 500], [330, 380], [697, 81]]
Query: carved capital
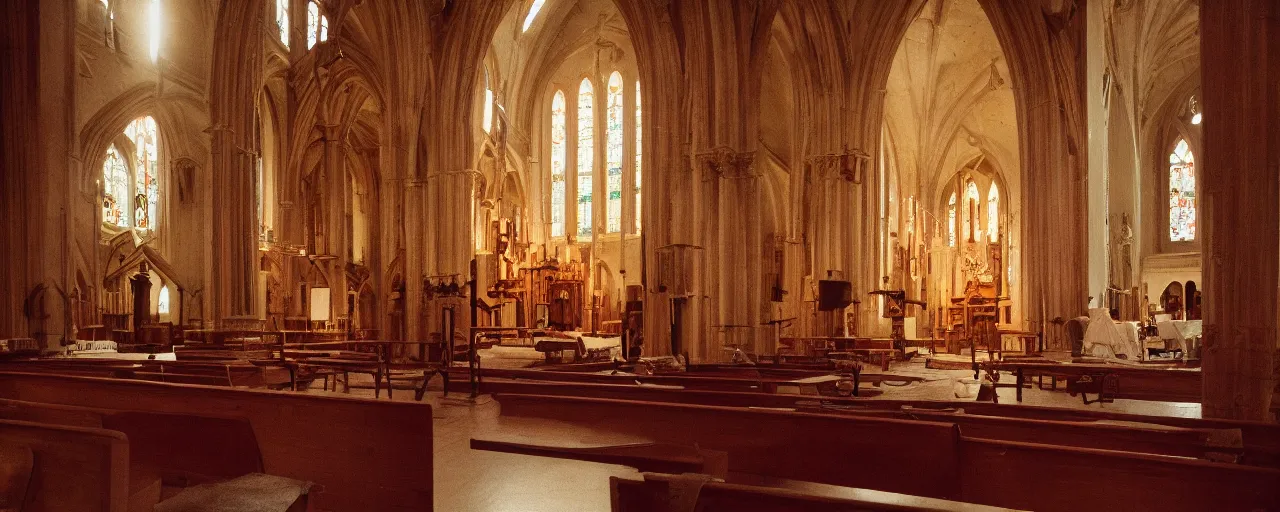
[[723, 162], [849, 166]]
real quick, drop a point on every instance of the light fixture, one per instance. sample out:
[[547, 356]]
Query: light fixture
[[1196, 116]]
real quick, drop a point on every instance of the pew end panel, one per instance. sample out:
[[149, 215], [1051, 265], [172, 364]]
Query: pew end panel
[[74, 468]]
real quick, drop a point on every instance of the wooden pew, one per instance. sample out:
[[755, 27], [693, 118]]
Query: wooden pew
[[1133, 382], [1056, 478], [654, 491], [368, 455], [912, 457], [688, 381], [74, 468], [784, 445]]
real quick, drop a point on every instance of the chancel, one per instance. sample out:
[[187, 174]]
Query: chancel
[[639, 255]]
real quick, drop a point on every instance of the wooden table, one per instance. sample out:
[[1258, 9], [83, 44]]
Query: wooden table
[[381, 366]]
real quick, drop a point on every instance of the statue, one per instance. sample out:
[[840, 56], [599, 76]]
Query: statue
[[1121, 254]]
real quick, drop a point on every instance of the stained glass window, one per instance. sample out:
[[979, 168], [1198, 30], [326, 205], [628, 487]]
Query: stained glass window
[[639, 138], [317, 25], [533, 14], [488, 103], [613, 171], [970, 210], [162, 303], [586, 155], [1182, 193], [115, 189], [146, 188], [951, 220], [559, 152], [993, 212], [282, 21]]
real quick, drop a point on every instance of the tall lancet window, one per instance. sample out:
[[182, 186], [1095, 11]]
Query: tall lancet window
[[1182, 193], [613, 170], [282, 21], [586, 155], [488, 103], [162, 302], [153, 24], [993, 212], [115, 189], [317, 25], [639, 138], [559, 153], [951, 220], [970, 212], [146, 191]]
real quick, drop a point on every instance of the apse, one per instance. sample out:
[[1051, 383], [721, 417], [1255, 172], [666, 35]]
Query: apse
[[951, 157]]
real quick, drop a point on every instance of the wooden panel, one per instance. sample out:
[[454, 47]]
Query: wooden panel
[[368, 455], [1049, 478], [911, 457], [80, 469]]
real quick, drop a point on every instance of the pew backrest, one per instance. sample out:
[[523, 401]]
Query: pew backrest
[[910, 457], [368, 455]]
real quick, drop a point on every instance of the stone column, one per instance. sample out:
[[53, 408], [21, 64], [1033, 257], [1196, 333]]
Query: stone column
[[738, 251], [1240, 52], [234, 228]]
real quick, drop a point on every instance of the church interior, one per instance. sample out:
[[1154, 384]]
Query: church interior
[[639, 255]]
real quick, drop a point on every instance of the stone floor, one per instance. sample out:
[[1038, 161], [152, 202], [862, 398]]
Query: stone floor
[[469, 480]]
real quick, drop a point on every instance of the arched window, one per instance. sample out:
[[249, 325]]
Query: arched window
[[970, 212], [146, 187], [613, 164], [488, 103], [1182, 193], [282, 21], [162, 303], [533, 14], [951, 220], [911, 216], [639, 138], [993, 212], [153, 25], [559, 153], [317, 25], [115, 189], [586, 155]]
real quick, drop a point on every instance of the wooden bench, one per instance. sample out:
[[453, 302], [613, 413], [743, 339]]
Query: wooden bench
[[909, 458], [368, 455], [654, 491], [73, 468], [1109, 381], [832, 449]]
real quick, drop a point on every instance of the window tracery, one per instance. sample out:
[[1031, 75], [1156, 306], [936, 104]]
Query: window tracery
[[115, 189]]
